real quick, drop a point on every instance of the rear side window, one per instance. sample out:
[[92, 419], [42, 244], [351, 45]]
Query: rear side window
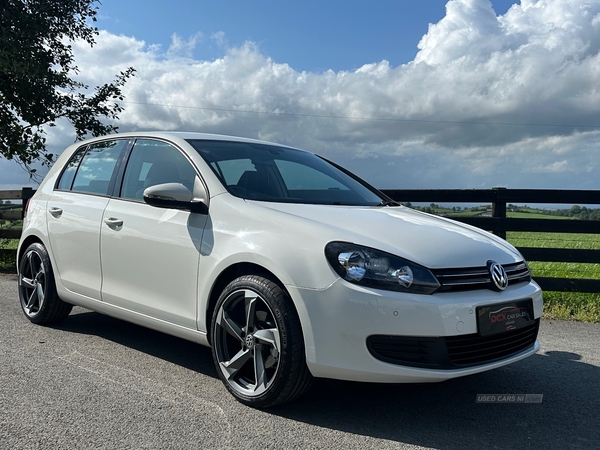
[[91, 171], [97, 167]]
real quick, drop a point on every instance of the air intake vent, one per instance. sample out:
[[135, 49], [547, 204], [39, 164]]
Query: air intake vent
[[452, 352]]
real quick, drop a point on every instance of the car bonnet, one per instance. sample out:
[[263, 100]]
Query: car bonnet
[[434, 242]]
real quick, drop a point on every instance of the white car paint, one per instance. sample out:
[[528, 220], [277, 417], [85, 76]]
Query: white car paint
[[74, 222], [158, 280]]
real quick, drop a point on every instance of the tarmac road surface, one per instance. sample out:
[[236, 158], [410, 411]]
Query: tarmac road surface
[[95, 382]]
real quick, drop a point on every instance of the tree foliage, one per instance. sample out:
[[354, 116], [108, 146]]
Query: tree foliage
[[36, 70]]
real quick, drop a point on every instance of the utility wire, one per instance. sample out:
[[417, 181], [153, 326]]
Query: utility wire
[[323, 116]]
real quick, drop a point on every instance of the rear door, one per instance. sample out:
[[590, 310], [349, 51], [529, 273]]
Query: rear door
[[74, 214]]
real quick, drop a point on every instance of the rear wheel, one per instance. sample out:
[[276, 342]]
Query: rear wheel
[[257, 343], [37, 290]]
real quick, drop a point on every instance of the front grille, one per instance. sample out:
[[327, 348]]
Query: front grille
[[453, 352], [465, 279]]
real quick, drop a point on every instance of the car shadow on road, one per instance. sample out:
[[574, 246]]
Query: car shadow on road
[[446, 415], [178, 351]]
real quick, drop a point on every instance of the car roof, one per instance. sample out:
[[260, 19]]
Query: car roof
[[185, 135]]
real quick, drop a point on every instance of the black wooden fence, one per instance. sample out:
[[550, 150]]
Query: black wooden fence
[[498, 223], [12, 212]]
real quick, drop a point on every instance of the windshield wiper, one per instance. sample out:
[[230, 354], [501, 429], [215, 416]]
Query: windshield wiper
[[389, 203]]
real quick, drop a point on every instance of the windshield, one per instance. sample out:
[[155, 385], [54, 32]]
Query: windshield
[[278, 174]]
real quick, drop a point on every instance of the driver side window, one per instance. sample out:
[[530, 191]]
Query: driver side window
[[155, 162]]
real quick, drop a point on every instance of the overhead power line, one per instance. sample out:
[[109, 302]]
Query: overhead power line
[[379, 119]]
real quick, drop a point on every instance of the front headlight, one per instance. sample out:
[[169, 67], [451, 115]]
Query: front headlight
[[373, 268]]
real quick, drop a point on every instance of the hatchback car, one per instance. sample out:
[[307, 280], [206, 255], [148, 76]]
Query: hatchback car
[[287, 265]]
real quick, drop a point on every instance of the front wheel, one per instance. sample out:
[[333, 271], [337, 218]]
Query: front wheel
[[257, 343], [37, 290]]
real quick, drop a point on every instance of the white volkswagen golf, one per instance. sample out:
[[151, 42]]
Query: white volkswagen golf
[[287, 265]]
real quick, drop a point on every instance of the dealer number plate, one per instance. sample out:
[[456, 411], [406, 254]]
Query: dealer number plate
[[504, 317]]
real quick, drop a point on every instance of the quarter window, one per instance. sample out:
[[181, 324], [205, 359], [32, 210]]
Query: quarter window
[[66, 179]]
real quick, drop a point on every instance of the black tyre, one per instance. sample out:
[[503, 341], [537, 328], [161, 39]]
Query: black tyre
[[257, 343], [37, 290]]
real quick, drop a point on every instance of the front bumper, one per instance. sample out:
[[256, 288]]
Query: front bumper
[[337, 322]]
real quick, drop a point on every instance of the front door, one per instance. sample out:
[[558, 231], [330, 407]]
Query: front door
[[150, 255]]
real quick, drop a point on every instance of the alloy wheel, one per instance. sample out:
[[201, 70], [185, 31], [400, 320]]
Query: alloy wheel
[[32, 283], [247, 343]]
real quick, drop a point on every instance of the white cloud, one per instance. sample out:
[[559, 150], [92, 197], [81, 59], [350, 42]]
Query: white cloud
[[183, 48], [489, 100], [219, 38], [559, 166]]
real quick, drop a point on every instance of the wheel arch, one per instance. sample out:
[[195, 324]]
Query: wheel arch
[[25, 243], [227, 276]]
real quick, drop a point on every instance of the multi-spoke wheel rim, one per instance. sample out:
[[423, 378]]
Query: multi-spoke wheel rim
[[32, 283], [247, 343]]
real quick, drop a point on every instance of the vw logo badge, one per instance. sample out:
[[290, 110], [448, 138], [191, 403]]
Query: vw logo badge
[[250, 341], [498, 275]]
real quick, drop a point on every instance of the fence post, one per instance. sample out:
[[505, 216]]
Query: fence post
[[26, 194], [499, 211]]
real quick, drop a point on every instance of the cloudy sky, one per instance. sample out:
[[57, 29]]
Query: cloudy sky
[[407, 94]]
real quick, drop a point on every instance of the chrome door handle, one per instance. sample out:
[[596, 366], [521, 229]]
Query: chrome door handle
[[113, 222], [56, 212]]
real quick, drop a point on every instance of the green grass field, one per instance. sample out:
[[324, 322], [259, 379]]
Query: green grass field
[[554, 240], [528, 215], [9, 244], [7, 263], [564, 305]]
